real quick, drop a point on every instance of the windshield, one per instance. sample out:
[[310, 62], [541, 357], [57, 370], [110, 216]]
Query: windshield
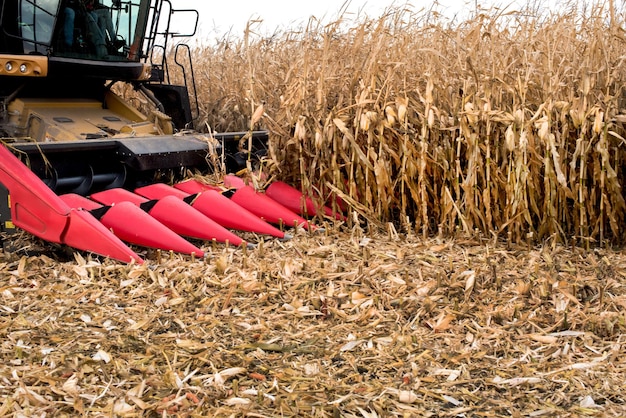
[[102, 30], [107, 30], [36, 23]]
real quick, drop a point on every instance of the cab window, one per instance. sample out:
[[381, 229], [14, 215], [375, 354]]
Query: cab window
[[96, 29], [34, 24]]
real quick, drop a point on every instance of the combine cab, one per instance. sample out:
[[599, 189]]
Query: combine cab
[[66, 134]]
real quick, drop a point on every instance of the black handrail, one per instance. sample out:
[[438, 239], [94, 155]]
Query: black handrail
[[193, 78], [161, 24]]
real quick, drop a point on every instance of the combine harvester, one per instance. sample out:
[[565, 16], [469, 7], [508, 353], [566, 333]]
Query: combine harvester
[[80, 166]]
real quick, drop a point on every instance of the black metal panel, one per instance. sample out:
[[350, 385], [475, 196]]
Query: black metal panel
[[162, 152], [77, 167], [235, 145], [108, 70], [65, 146], [175, 101], [5, 211], [88, 166], [8, 27]]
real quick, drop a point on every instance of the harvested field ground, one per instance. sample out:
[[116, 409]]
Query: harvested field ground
[[342, 323]]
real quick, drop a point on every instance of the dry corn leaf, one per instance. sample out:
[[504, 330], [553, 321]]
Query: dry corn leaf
[[351, 345], [70, 386], [102, 355], [237, 401], [546, 339], [407, 396], [443, 322]]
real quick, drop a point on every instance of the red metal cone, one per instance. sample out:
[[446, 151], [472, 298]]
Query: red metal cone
[[36, 209], [192, 186], [131, 224], [160, 190], [77, 201], [113, 196], [294, 200], [87, 233], [233, 182], [267, 208], [217, 207], [173, 213], [255, 202]]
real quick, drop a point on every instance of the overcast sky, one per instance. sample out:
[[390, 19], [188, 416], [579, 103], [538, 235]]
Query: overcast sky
[[219, 17]]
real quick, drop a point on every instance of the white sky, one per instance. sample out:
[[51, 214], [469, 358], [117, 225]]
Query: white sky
[[220, 17]]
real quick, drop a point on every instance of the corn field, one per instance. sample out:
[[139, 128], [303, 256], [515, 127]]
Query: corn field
[[505, 124]]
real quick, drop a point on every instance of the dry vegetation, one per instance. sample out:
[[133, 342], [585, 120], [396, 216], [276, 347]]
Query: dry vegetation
[[474, 155], [505, 123]]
